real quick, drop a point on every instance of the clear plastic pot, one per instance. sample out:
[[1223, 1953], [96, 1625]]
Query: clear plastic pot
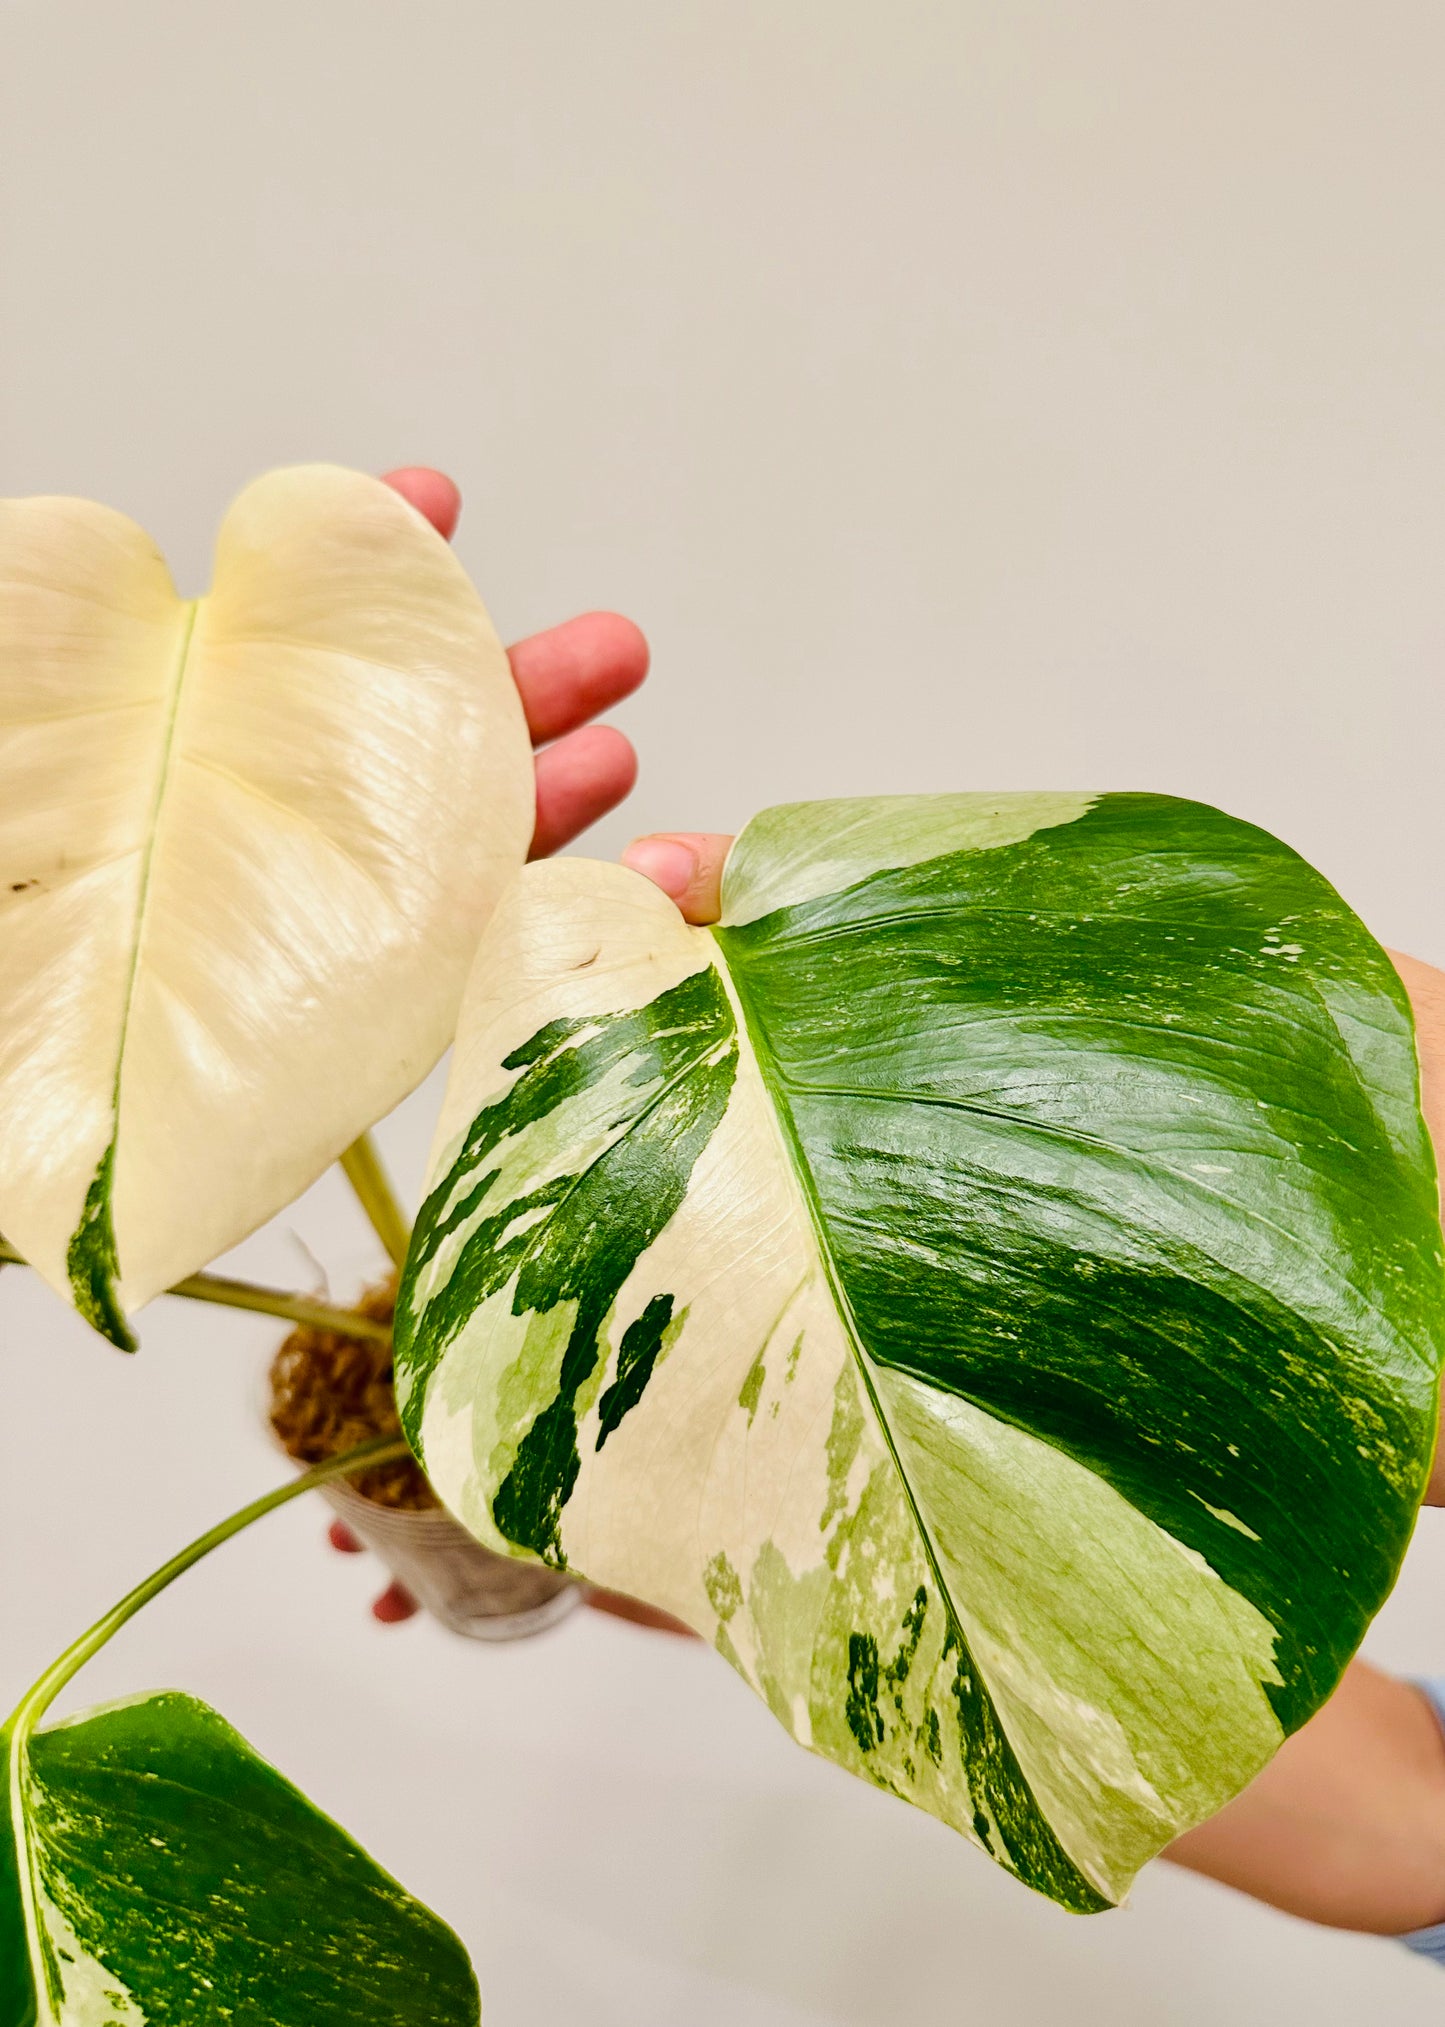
[[469, 1588]]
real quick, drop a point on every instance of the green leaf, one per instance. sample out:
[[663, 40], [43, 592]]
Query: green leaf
[[990, 1287], [155, 1870], [247, 845]]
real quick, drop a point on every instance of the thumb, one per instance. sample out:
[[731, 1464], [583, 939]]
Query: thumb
[[687, 865]]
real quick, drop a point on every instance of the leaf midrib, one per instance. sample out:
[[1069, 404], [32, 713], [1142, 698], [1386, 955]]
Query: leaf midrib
[[802, 1175], [143, 898]]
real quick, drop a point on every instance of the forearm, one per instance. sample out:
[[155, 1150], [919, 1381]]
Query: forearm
[[1346, 1825], [1426, 987]]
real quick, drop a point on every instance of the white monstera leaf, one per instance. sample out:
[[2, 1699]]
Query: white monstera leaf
[[247, 845], [990, 1287]]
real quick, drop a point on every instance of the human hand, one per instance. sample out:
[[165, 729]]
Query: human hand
[[565, 677], [397, 1603], [687, 865]]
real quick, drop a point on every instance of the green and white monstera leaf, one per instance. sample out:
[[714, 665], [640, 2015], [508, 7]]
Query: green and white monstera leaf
[[990, 1286], [154, 1869], [247, 845]]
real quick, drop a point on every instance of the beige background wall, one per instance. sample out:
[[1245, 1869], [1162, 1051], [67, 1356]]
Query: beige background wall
[[976, 395]]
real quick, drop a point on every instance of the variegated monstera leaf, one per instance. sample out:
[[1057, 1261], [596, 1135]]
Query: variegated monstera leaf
[[247, 845], [990, 1287], [154, 1869]]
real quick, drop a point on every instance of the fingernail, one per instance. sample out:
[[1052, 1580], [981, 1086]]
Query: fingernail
[[664, 861]]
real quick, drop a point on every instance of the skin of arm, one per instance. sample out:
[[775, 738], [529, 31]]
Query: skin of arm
[[1346, 1825]]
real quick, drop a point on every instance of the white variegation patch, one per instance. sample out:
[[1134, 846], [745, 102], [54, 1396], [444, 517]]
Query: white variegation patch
[[799, 851], [91, 1995], [594, 939]]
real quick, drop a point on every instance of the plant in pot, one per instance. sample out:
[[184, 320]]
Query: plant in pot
[[330, 1389], [989, 1286]]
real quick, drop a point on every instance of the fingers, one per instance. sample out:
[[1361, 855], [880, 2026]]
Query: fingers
[[431, 493], [580, 779], [618, 1606], [571, 672], [687, 865], [394, 1605], [564, 677]]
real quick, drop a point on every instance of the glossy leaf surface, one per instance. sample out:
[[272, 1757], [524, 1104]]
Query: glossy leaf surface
[[247, 844], [154, 1870], [990, 1287]]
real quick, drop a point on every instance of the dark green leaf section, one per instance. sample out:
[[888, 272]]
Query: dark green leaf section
[[1114, 1132], [92, 1263], [679, 1055], [636, 1356], [212, 1890]]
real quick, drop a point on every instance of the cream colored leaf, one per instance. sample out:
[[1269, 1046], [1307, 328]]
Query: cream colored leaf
[[247, 845]]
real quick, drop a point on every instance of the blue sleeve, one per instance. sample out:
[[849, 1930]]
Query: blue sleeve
[[1430, 1942]]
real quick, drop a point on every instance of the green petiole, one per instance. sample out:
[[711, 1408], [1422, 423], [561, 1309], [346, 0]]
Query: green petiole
[[15, 1734], [37, 1699], [362, 1165], [304, 1309]]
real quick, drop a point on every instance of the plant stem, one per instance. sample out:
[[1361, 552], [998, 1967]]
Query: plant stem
[[268, 1301], [376, 1196], [36, 1700], [279, 1302]]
